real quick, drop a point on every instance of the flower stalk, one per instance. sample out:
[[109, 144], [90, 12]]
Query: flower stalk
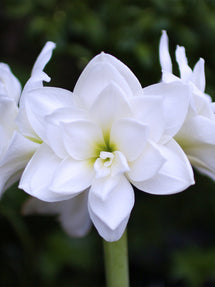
[[116, 262]]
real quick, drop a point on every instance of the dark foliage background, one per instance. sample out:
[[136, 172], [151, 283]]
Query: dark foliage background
[[171, 238]]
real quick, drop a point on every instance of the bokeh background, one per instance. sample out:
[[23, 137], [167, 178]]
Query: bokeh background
[[171, 238]]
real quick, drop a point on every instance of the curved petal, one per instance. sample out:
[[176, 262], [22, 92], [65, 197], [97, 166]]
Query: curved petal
[[185, 70], [8, 112], [95, 77], [129, 136], [165, 60], [18, 154], [37, 74], [195, 131], [149, 110], [42, 102], [175, 175], [72, 177], [198, 76], [39, 173], [81, 139], [112, 213], [128, 75], [110, 105], [176, 97], [9, 85], [105, 231], [147, 165], [197, 138], [72, 213]]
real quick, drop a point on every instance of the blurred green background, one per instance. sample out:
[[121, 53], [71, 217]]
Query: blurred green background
[[171, 238]]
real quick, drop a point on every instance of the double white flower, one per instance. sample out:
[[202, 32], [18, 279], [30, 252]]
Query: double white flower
[[97, 141], [18, 139], [197, 134]]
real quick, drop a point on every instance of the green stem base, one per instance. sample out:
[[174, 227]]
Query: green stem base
[[116, 262]]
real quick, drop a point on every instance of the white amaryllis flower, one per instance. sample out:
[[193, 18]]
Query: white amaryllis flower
[[18, 139], [197, 134], [100, 139]]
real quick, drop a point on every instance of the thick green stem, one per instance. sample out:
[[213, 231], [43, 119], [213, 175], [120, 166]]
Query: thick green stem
[[116, 262]]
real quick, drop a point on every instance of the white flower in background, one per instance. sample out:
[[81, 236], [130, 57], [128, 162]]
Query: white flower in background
[[72, 213], [100, 139], [197, 134], [18, 139]]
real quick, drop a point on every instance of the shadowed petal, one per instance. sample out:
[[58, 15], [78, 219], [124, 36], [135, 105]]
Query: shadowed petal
[[38, 175], [147, 165], [19, 152], [176, 174], [72, 176], [176, 97], [115, 208]]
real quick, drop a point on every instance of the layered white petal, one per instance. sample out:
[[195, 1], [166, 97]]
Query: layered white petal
[[165, 60], [41, 102], [175, 175], [9, 84], [38, 175], [110, 105], [72, 176], [110, 215], [19, 152], [128, 75], [197, 138], [176, 97], [147, 164], [149, 110], [129, 136], [82, 139], [99, 73], [72, 213]]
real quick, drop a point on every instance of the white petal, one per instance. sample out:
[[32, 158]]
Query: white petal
[[198, 76], [196, 130], [37, 74], [130, 78], [105, 231], [24, 125], [176, 174], [41, 102], [8, 112], [147, 165], [9, 84], [176, 97], [169, 77], [38, 175], [96, 77], [82, 139], [13, 162], [185, 70], [129, 136], [72, 213], [165, 60], [113, 212], [149, 110], [197, 138], [110, 104], [72, 177]]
